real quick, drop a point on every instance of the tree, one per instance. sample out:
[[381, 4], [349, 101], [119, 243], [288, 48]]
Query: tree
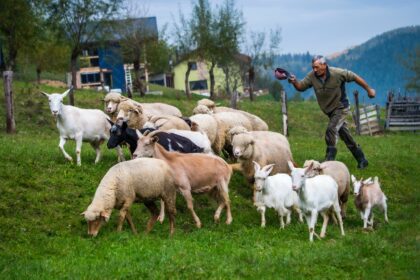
[[230, 29], [262, 55], [80, 21], [413, 64], [184, 46]]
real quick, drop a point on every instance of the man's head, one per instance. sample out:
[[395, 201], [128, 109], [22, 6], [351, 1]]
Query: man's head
[[319, 65]]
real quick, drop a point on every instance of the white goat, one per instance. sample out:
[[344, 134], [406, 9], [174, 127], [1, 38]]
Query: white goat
[[82, 125], [368, 194], [317, 195], [274, 192]]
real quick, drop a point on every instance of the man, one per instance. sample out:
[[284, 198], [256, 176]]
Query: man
[[329, 85]]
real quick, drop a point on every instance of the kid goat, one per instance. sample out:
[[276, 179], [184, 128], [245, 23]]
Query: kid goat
[[274, 192], [317, 194], [82, 125], [368, 194]]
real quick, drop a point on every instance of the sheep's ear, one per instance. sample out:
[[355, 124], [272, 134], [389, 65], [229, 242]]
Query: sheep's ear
[[123, 98], [195, 126], [309, 168], [139, 109], [106, 215], [257, 167], [268, 168], [291, 166], [353, 179], [46, 94]]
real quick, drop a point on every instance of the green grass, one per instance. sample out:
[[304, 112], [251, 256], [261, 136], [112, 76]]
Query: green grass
[[43, 236]]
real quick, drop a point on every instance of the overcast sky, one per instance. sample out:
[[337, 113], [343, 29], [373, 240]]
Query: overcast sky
[[317, 26]]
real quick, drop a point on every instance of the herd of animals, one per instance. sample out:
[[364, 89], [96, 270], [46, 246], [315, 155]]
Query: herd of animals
[[174, 154]]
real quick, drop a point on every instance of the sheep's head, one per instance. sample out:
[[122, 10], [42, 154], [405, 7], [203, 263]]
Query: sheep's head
[[261, 175], [316, 170], [299, 175], [145, 146], [201, 109], [236, 130], [112, 100], [95, 220], [128, 111], [243, 145], [357, 185], [207, 102], [56, 101]]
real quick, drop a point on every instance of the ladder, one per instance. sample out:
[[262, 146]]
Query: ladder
[[128, 80]]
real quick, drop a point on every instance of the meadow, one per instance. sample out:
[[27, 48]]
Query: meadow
[[43, 235]]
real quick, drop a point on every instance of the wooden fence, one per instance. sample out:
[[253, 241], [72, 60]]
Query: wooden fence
[[403, 113], [366, 118]]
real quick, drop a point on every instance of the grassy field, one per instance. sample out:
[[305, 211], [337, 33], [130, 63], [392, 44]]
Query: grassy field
[[43, 236]]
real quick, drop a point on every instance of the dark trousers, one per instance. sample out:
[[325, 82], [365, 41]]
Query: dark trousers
[[337, 127]]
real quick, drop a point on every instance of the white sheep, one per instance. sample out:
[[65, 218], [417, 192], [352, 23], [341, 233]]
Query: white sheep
[[340, 174], [113, 99], [208, 124], [82, 125], [256, 122], [368, 194], [144, 180], [265, 150], [166, 122], [274, 192], [317, 195]]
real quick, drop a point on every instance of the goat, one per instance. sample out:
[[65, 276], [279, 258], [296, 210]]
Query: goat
[[274, 192], [368, 194], [82, 125], [317, 195]]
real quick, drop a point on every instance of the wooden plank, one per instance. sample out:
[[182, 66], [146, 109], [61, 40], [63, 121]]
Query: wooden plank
[[369, 108], [407, 128], [372, 119], [368, 114], [404, 123]]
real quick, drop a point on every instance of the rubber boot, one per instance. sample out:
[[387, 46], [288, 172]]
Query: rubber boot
[[330, 153], [358, 154]]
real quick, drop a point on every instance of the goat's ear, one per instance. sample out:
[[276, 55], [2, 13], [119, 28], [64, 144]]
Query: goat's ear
[[309, 168], [106, 215], [268, 168], [124, 125], [155, 139], [376, 180], [368, 180], [111, 122], [44, 93], [139, 135], [64, 94], [257, 167], [291, 166], [353, 179], [83, 213]]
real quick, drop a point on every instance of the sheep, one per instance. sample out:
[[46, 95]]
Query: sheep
[[195, 173], [166, 122], [113, 99], [144, 180], [275, 192], [82, 125], [207, 124], [263, 150], [340, 174], [256, 122], [274, 136], [131, 113], [368, 194], [317, 195]]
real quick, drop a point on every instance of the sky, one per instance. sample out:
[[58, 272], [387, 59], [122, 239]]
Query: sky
[[318, 26]]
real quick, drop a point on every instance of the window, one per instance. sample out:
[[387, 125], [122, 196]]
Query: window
[[193, 65], [90, 52], [198, 85], [94, 62], [90, 78]]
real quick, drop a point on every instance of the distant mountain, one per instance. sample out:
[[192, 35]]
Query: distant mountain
[[380, 61]]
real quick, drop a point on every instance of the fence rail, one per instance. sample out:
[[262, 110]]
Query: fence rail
[[402, 113]]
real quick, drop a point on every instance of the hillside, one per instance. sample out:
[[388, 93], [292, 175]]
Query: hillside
[[379, 60], [43, 236]]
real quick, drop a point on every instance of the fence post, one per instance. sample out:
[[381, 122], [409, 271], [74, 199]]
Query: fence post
[[8, 94], [284, 113], [356, 101]]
